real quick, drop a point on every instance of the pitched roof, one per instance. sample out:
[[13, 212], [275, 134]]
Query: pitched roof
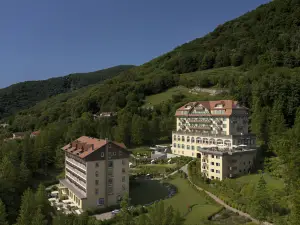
[[36, 132], [226, 105], [84, 146]]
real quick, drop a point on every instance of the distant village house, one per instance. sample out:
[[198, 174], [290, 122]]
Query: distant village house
[[104, 115]]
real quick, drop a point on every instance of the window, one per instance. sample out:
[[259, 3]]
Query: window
[[212, 177], [193, 140], [110, 181], [101, 201], [123, 179], [123, 162], [102, 154], [110, 172], [212, 163], [212, 170], [109, 145], [123, 187], [110, 190], [110, 164], [193, 148], [217, 171], [182, 146], [174, 145], [182, 138], [217, 164], [119, 198], [178, 145], [174, 137], [114, 153], [123, 170], [212, 156], [96, 164], [96, 182], [188, 147], [96, 174], [96, 191], [218, 178], [192, 153], [218, 157]]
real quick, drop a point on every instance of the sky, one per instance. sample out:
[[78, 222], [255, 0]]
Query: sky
[[49, 38]]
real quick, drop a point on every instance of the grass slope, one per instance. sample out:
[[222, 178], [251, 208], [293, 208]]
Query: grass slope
[[203, 206]]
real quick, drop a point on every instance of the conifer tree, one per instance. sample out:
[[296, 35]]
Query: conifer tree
[[38, 218], [3, 215], [27, 208]]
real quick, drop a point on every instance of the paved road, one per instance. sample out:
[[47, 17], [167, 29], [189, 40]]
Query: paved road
[[184, 169]]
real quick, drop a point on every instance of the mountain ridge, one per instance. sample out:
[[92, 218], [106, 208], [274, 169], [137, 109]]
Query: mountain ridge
[[25, 94]]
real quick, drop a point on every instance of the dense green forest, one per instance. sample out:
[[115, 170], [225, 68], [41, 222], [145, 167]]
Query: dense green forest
[[26, 94], [261, 53]]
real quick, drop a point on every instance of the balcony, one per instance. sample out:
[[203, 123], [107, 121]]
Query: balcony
[[77, 164], [71, 170], [204, 128], [200, 121], [76, 181]]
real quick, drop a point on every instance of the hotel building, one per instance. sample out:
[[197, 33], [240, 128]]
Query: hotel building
[[96, 173], [216, 132]]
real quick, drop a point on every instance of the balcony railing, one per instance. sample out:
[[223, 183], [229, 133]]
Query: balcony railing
[[71, 170], [77, 164], [200, 128], [76, 180]]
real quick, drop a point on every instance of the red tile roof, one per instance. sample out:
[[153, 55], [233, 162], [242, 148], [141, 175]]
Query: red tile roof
[[228, 105], [36, 132], [86, 145]]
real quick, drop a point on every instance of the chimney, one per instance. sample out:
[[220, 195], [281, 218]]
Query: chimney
[[93, 147]]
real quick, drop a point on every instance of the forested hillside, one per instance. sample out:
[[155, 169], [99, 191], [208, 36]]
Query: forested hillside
[[26, 94], [258, 60]]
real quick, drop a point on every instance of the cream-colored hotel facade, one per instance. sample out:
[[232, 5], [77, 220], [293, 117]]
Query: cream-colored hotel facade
[[216, 132]]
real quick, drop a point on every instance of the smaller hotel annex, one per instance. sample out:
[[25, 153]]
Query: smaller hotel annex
[[216, 132], [96, 173]]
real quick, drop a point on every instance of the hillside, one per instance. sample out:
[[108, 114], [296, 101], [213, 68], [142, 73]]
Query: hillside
[[255, 57], [26, 94]]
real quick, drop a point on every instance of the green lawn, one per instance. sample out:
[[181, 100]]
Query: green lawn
[[203, 206], [167, 95], [272, 182]]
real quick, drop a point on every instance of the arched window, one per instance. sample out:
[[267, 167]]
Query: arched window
[[198, 140], [174, 145], [174, 137], [205, 141], [192, 139], [182, 138], [211, 141], [219, 142], [188, 147], [182, 146], [188, 138]]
